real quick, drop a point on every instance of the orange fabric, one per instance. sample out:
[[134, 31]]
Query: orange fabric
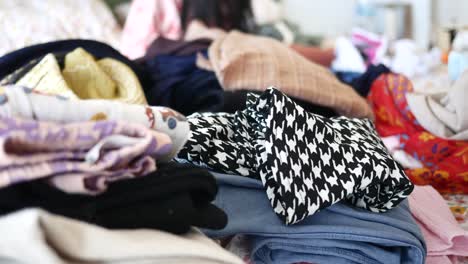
[[445, 161], [243, 61]]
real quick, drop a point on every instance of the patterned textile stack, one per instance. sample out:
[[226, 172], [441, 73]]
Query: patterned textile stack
[[86, 161]]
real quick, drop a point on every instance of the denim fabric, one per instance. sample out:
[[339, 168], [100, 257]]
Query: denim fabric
[[338, 234]]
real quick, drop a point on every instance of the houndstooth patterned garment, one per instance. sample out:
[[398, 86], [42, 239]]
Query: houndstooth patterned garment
[[306, 162]]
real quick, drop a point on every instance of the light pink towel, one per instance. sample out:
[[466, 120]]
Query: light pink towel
[[147, 20], [445, 239], [78, 157]]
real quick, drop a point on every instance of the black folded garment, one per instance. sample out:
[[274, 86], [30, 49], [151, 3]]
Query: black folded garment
[[172, 199]]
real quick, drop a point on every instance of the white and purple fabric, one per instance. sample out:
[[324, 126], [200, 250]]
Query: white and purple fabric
[[22, 102]]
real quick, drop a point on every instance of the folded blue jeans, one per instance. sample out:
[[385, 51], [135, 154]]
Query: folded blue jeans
[[337, 234]]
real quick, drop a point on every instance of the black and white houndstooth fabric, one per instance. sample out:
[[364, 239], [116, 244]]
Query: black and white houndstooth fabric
[[306, 162]]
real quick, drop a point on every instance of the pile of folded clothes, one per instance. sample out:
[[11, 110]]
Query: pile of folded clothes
[[240, 139], [83, 153]]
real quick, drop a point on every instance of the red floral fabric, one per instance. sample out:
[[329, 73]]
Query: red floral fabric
[[445, 161]]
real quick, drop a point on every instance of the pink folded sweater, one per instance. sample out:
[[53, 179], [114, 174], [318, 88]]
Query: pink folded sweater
[[445, 239]]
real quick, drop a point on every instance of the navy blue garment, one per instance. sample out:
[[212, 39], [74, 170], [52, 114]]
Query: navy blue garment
[[177, 82], [337, 234], [347, 77], [12, 61], [362, 82]]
